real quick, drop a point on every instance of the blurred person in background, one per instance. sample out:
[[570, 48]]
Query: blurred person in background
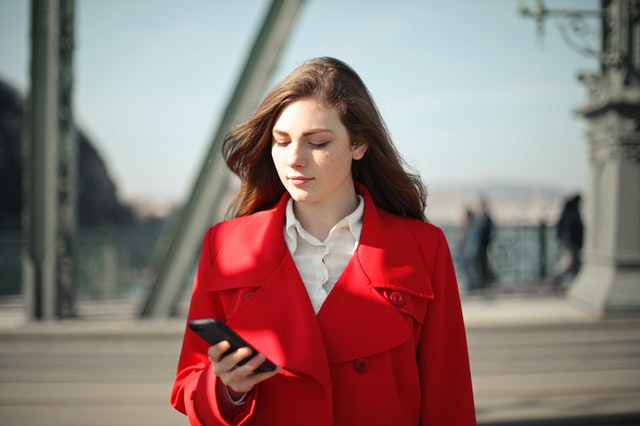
[[570, 234], [485, 229], [479, 238], [330, 269], [465, 247]]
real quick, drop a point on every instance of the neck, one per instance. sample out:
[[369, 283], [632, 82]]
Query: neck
[[319, 219]]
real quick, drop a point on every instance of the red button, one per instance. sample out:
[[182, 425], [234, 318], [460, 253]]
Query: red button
[[397, 298], [361, 365]]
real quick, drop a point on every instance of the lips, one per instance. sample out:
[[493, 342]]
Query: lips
[[299, 180]]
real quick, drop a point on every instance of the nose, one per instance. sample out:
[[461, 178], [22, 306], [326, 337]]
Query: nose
[[295, 155]]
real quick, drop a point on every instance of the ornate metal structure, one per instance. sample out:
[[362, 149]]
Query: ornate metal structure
[[575, 30], [609, 282]]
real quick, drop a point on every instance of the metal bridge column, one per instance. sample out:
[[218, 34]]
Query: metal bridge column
[[67, 168], [41, 160]]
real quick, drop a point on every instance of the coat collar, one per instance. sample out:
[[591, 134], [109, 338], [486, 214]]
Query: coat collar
[[355, 321]]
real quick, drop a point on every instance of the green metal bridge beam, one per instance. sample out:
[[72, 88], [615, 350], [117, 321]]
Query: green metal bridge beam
[[41, 160], [50, 165], [213, 180]]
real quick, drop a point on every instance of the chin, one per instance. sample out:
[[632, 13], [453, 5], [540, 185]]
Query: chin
[[299, 196]]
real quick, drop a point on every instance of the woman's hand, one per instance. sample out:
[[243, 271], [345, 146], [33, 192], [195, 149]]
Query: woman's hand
[[239, 379]]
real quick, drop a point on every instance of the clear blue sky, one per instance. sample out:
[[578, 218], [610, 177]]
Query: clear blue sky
[[468, 90]]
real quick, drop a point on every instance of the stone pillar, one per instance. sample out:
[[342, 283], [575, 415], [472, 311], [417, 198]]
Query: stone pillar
[[609, 281]]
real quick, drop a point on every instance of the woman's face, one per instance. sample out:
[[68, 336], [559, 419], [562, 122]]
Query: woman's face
[[312, 153]]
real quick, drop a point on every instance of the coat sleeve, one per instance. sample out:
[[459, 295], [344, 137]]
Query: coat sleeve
[[445, 374], [194, 388]]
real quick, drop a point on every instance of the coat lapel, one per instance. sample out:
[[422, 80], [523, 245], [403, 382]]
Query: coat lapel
[[278, 318], [356, 320]]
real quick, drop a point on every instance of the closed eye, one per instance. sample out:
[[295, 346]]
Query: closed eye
[[319, 144]]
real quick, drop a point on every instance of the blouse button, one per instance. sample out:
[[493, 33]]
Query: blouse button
[[361, 365], [397, 298]]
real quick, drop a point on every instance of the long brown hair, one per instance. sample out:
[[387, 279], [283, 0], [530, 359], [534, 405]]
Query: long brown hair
[[247, 148]]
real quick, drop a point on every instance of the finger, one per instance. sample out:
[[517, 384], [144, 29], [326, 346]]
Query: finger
[[254, 362], [238, 357], [232, 374], [223, 367], [246, 375], [216, 351], [244, 383]]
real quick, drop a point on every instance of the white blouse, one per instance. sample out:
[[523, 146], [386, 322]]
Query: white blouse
[[320, 263]]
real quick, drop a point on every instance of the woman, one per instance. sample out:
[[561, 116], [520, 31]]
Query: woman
[[330, 270]]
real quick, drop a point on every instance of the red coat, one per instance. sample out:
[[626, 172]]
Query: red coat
[[388, 346]]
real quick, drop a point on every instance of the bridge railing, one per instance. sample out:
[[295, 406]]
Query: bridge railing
[[519, 255], [115, 262]]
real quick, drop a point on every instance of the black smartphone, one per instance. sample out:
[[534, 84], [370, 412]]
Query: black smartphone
[[215, 331]]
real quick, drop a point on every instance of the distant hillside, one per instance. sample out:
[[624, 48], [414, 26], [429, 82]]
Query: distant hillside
[[510, 203], [98, 202]]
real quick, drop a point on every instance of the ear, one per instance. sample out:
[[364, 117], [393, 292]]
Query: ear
[[358, 150]]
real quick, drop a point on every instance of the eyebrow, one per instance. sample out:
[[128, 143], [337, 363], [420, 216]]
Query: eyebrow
[[307, 133]]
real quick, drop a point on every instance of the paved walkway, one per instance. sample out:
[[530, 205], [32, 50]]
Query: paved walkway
[[535, 360], [538, 358]]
